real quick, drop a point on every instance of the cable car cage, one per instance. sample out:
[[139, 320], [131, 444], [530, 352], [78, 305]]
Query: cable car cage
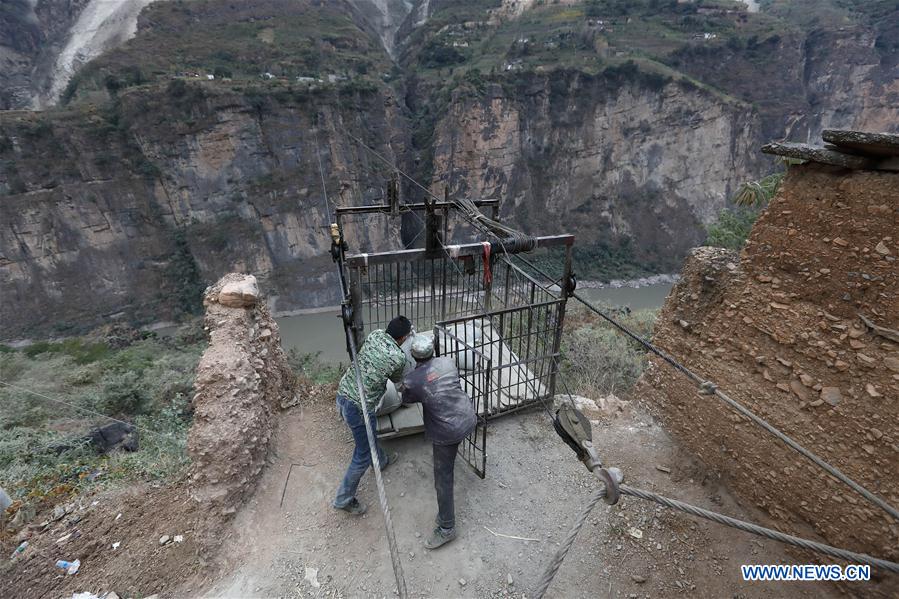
[[501, 325]]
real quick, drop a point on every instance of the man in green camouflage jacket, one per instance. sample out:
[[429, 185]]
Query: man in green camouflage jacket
[[380, 358]]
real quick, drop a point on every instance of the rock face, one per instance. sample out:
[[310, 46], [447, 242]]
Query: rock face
[[242, 378], [780, 332], [152, 215], [152, 188], [386, 17], [605, 159], [32, 34]]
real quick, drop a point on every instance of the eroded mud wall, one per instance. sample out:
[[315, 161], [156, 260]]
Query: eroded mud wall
[[779, 329]]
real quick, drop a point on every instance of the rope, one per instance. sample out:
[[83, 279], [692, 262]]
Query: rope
[[709, 388]]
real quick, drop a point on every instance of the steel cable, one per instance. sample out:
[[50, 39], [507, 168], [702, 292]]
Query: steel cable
[[379, 481], [844, 554], [372, 445], [556, 562], [710, 388], [559, 557]]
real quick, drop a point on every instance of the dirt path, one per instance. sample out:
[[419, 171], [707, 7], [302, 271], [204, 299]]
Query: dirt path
[[534, 488]]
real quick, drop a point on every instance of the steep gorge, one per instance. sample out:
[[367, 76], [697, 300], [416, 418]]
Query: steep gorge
[[630, 161], [154, 182]]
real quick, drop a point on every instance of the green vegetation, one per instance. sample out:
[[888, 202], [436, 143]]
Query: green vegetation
[[185, 276], [309, 366], [148, 383], [601, 261], [597, 359], [732, 227]]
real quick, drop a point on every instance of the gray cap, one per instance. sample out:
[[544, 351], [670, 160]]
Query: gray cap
[[422, 347]]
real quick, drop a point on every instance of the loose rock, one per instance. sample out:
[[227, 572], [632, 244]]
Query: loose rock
[[831, 395]]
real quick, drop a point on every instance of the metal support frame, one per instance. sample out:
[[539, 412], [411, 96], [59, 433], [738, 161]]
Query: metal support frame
[[455, 251], [386, 208], [482, 306]]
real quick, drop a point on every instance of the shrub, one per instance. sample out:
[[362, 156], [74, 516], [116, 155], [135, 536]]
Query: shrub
[[184, 276], [436, 54], [21, 409], [598, 360], [123, 393], [731, 229], [733, 225], [309, 366], [82, 352], [148, 383]]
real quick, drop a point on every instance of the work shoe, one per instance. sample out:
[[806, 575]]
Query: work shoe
[[440, 536], [355, 507], [391, 460]]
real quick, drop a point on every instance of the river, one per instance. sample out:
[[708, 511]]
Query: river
[[321, 331]]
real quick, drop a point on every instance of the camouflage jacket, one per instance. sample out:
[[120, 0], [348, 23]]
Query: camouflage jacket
[[380, 358]]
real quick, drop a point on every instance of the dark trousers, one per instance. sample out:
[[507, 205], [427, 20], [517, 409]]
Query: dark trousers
[[444, 463]]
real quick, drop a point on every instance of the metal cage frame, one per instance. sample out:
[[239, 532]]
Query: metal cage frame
[[503, 326]]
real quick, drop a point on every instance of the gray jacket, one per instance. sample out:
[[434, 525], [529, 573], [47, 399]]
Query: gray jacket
[[448, 414]]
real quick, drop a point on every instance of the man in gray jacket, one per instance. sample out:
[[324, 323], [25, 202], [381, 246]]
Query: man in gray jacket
[[449, 417]]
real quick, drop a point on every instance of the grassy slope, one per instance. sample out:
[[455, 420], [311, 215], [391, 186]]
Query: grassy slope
[[148, 383], [597, 359]]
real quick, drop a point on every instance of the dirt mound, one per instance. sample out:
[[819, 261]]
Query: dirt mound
[[242, 378], [780, 332]]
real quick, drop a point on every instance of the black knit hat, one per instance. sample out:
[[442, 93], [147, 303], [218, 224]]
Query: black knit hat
[[399, 327]]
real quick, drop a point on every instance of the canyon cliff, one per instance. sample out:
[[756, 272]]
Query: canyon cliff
[[193, 149]]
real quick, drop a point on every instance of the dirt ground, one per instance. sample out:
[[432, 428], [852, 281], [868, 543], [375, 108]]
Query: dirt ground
[[116, 536], [534, 489]]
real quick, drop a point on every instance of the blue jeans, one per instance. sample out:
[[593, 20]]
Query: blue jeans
[[361, 460]]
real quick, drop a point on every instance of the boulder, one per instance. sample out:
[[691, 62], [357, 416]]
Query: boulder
[[240, 293]]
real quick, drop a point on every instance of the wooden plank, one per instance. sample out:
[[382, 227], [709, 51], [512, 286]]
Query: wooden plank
[[875, 145]]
